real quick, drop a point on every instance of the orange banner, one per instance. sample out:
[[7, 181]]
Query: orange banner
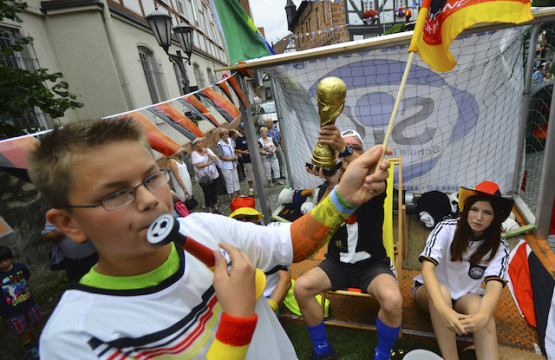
[[157, 139]]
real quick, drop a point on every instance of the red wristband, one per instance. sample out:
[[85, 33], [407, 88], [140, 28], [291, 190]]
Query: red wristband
[[236, 331]]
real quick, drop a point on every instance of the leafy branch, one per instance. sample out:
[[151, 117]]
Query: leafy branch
[[22, 90]]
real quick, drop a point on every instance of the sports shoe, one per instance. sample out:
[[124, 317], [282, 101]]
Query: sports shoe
[[271, 184], [397, 354], [280, 182], [331, 356]]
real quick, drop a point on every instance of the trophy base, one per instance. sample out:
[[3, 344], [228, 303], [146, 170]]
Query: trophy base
[[324, 156]]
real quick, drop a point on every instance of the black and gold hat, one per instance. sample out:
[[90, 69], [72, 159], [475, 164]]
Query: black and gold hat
[[490, 190]]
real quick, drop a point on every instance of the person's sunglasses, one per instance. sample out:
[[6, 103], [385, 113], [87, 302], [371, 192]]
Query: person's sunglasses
[[247, 218]]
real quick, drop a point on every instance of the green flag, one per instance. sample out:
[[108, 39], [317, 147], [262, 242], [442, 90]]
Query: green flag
[[242, 38]]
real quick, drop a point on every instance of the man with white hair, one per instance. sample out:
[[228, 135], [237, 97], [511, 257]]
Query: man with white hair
[[356, 258]]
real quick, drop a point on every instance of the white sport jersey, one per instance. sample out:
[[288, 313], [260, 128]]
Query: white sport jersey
[[459, 277], [173, 319]]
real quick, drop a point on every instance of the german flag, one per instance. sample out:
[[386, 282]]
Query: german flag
[[440, 21]]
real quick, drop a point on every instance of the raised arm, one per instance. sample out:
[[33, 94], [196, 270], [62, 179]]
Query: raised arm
[[330, 135], [360, 183]]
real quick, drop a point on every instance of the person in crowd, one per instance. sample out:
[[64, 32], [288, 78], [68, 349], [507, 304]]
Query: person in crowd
[[179, 175], [143, 300], [267, 149], [233, 134], [75, 258], [538, 75], [459, 256], [204, 162], [17, 304], [278, 279], [228, 164], [548, 75], [242, 151], [356, 258], [274, 133]]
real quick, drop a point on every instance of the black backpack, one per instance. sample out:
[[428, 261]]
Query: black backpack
[[435, 203]]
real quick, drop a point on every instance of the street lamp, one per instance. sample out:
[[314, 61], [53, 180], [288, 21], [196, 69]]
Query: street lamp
[[160, 24]]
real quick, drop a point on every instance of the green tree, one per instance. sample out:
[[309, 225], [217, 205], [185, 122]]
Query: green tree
[[22, 90]]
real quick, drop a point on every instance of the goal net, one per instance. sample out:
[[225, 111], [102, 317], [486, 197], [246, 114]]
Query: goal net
[[453, 129]]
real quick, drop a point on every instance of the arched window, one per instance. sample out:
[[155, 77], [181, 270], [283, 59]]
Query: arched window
[[211, 76], [201, 81], [153, 74]]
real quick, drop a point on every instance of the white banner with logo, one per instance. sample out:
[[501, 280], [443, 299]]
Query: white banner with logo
[[452, 129]]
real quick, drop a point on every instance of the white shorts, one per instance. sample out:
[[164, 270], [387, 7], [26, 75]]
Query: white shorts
[[249, 174], [231, 180]]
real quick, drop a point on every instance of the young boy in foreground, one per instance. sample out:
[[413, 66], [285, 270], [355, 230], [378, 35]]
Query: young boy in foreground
[[144, 301]]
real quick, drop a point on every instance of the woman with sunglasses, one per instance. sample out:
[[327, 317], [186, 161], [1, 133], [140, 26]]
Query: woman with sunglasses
[[460, 255]]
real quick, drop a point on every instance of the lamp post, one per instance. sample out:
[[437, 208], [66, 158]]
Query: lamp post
[[160, 24]]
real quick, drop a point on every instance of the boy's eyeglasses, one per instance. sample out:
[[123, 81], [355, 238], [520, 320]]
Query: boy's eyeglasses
[[124, 197]]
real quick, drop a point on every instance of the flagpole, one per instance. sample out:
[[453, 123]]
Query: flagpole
[[396, 107]]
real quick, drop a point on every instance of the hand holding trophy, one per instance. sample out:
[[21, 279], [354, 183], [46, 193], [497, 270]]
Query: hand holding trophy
[[331, 93]]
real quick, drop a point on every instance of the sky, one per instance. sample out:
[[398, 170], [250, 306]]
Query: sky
[[270, 14]]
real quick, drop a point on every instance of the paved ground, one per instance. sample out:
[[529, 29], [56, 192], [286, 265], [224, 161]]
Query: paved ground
[[223, 198]]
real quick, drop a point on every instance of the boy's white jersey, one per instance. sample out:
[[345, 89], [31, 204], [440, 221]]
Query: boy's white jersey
[[176, 318]]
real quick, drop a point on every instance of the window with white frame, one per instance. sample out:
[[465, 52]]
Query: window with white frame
[[207, 23], [369, 5], [153, 75], [25, 61], [195, 11], [181, 7]]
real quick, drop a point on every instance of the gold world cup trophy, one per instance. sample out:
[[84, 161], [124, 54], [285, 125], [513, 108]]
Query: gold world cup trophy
[[331, 93]]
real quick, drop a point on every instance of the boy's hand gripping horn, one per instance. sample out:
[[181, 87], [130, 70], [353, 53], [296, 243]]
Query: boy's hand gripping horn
[[166, 229]]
